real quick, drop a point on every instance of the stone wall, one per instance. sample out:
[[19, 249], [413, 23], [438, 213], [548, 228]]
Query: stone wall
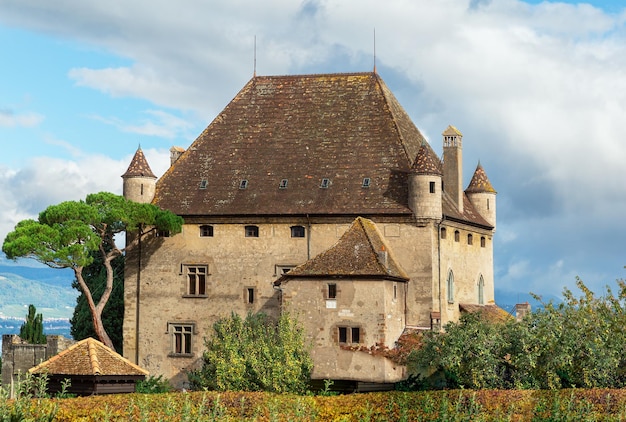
[[19, 356]]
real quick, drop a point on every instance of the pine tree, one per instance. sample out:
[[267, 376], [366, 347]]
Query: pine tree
[[32, 329]]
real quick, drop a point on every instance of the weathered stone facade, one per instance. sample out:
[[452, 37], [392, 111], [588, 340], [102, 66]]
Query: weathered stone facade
[[274, 183]]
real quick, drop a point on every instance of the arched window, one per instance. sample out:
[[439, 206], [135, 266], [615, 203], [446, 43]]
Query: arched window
[[470, 239], [450, 284], [457, 236], [206, 231], [481, 290], [482, 241], [443, 233]]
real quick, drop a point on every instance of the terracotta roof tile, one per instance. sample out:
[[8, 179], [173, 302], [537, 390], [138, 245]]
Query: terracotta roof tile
[[427, 162], [88, 357], [480, 182], [361, 251], [491, 312], [139, 166], [343, 127]]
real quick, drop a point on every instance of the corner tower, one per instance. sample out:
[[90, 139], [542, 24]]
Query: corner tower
[[453, 165], [425, 185], [482, 195], [139, 181]]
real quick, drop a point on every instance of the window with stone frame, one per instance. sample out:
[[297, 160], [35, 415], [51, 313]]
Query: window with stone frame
[[349, 335], [249, 295], [206, 230], [331, 291], [450, 286], [181, 335], [252, 231], [196, 279], [298, 231]]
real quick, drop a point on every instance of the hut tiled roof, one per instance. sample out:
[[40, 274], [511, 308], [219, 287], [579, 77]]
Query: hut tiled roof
[[480, 182], [139, 166], [302, 129], [89, 357], [491, 312], [360, 252]]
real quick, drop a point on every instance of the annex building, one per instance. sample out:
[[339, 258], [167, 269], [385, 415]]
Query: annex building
[[315, 193]]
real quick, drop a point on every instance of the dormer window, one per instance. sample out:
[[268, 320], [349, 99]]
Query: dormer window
[[366, 182], [203, 184], [243, 184], [325, 183], [282, 184]]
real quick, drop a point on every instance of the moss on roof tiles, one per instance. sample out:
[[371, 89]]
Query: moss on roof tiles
[[139, 166], [480, 182]]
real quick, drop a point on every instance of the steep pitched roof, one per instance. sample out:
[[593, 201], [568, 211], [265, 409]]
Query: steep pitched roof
[[480, 182], [427, 162], [340, 127], [360, 252], [469, 215], [139, 166], [88, 357]]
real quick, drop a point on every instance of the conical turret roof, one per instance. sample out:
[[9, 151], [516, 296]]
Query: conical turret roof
[[426, 162], [139, 166], [480, 182]]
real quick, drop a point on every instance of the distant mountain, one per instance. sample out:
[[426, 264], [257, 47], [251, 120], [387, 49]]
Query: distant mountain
[[48, 289]]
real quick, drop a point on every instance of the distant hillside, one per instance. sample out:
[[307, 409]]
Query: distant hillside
[[49, 290]]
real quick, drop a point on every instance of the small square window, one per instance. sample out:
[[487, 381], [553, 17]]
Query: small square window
[[203, 184], [243, 184], [206, 231], [325, 183], [366, 182], [283, 184], [252, 231], [297, 231]]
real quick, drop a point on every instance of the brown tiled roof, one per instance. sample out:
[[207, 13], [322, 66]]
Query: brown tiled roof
[[340, 127], [88, 357], [480, 182], [361, 251], [139, 166], [427, 162], [490, 312]]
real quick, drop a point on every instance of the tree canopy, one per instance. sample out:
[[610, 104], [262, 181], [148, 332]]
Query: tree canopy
[[68, 235], [579, 342]]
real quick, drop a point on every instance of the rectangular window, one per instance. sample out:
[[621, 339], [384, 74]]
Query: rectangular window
[[206, 231], [283, 184], [349, 335], [482, 242], [249, 295], [252, 231], [196, 279], [297, 231], [182, 337], [457, 236], [366, 182], [332, 291], [432, 187], [203, 184]]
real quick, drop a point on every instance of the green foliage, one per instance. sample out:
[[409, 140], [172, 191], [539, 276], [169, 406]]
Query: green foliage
[[72, 233], [153, 385], [255, 354], [577, 343], [32, 329], [81, 323]]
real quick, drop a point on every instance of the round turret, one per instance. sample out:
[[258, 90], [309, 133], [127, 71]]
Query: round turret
[[482, 195], [425, 185], [139, 181]]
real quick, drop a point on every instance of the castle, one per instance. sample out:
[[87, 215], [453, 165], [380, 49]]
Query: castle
[[315, 193]]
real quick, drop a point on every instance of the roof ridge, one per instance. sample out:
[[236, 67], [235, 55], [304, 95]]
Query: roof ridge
[[311, 75], [93, 356]]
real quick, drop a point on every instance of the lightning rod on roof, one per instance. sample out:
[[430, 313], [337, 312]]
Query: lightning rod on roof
[[374, 49], [254, 71]]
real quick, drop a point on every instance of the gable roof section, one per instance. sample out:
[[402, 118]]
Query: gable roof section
[[340, 127], [88, 357], [360, 252]]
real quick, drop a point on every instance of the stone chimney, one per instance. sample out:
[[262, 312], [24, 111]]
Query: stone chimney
[[175, 153], [453, 165], [521, 310]]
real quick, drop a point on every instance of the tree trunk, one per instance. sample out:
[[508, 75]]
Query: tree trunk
[[96, 311]]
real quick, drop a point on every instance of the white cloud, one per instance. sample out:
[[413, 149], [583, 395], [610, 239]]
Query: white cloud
[[9, 118], [158, 123]]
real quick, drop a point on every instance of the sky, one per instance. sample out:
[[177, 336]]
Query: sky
[[537, 88]]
